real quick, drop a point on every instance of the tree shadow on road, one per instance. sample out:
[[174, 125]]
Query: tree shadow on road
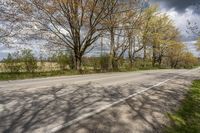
[[145, 113], [39, 111], [24, 111]]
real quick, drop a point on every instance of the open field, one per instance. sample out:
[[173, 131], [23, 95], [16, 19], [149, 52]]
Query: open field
[[46, 69], [42, 67]]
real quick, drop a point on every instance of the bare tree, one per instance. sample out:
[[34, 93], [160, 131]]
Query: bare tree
[[9, 22], [147, 17], [73, 24], [117, 22], [133, 35], [120, 47]]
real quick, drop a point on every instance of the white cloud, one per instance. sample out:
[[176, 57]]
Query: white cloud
[[6, 51], [192, 48], [181, 21]]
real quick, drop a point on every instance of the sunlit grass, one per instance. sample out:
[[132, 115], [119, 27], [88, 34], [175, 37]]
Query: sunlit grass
[[187, 119], [27, 75]]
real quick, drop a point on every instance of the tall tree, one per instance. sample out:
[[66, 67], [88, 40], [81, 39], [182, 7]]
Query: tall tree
[[73, 24], [133, 34], [117, 23], [161, 33], [147, 16]]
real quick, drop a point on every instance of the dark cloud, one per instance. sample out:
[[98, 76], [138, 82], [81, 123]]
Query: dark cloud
[[179, 5]]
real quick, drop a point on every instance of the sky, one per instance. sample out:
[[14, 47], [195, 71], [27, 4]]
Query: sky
[[180, 11]]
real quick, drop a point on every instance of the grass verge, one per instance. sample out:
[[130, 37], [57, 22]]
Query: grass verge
[[26, 75], [187, 118]]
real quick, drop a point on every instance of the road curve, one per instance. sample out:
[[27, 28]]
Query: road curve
[[52, 104]]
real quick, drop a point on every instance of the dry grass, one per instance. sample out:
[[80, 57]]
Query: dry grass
[[47, 66], [42, 67], [1, 67]]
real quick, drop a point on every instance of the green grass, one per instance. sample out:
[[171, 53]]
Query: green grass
[[26, 75], [187, 118]]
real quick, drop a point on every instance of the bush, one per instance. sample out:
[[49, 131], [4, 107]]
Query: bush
[[62, 58], [104, 62], [91, 63], [143, 65], [95, 63], [29, 61], [12, 63], [189, 61]]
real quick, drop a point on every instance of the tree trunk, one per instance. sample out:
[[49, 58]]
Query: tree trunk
[[171, 63], [79, 64], [131, 63], [115, 65], [130, 53], [160, 61], [176, 64], [112, 42], [154, 56], [145, 52], [144, 40], [78, 61]]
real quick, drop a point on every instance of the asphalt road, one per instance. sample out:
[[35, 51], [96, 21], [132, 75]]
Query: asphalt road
[[105, 103]]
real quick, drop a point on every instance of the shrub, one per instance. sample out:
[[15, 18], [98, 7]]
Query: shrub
[[12, 63], [29, 61], [62, 58], [189, 61], [91, 63], [104, 62]]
